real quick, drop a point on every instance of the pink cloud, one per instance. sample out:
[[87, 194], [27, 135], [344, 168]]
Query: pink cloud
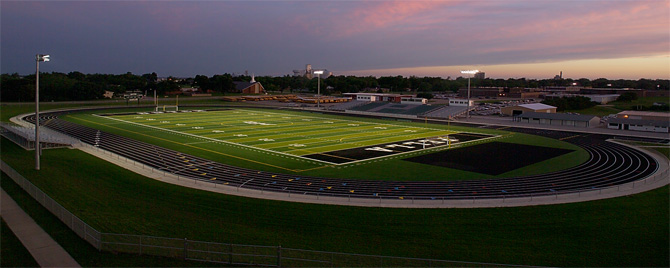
[[611, 28], [343, 20]]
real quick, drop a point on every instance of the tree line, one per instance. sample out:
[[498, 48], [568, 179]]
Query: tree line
[[78, 86]]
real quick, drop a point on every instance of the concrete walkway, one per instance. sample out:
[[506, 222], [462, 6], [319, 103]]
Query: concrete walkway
[[44, 249]]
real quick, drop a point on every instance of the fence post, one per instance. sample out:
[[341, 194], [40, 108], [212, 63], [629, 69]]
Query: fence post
[[141, 244], [230, 254], [185, 248], [279, 256]]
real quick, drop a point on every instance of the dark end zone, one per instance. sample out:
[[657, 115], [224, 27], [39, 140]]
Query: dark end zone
[[387, 149], [491, 158]]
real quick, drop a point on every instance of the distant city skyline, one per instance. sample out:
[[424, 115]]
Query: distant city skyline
[[506, 39]]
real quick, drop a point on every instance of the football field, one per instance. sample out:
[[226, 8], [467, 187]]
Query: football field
[[324, 139]]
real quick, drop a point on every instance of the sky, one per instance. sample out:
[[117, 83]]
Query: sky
[[614, 39]]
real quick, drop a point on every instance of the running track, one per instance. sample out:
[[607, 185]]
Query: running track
[[610, 164]]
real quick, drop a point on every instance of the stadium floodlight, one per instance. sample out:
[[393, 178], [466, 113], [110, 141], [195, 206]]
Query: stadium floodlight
[[38, 148], [470, 72], [318, 90], [42, 57]]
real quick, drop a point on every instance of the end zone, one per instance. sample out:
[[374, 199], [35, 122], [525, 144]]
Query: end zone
[[348, 156]]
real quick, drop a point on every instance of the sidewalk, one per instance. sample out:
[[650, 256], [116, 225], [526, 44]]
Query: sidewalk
[[44, 249]]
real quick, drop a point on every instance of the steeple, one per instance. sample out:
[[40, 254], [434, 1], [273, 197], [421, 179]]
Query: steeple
[[253, 80]]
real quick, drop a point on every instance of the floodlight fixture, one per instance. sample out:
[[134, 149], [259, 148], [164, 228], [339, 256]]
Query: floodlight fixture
[[42, 57], [472, 72], [38, 148], [318, 86]]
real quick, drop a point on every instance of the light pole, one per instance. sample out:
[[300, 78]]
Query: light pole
[[38, 149], [318, 86], [470, 72]]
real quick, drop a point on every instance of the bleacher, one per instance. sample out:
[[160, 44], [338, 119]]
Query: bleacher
[[347, 105], [422, 109], [25, 137], [369, 107], [406, 109], [447, 112], [403, 110]]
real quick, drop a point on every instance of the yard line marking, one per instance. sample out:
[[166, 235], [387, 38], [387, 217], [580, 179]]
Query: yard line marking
[[195, 147], [363, 134], [203, 137], [198, 142]]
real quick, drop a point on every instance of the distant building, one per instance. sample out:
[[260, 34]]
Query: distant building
[[480, 75], [524, 108], [251, 87], [599, 98], [309, 72], [563, 89], [410, 100], [377, 97], [640, 121], [559, 76], [608, 91], [555, 119], [662, 126], [644, 115], [461, 102]]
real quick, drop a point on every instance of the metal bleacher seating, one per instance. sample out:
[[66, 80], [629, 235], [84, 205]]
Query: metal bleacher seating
[[447, 112], [347, 105], [369, 106]]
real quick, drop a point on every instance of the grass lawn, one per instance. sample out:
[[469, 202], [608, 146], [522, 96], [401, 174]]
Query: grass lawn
[[85, 254], [618, 106], [626, 231], [644, 101], [13, 253]]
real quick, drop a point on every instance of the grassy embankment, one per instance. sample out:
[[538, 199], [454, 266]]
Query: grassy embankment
[[13, 253]]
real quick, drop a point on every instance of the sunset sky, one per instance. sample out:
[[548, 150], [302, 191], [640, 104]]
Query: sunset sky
[[506, 39]]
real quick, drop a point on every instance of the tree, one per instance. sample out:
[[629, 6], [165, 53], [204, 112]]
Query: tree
[[84, 90], [202, 82], [165, 86], [222, 83], [627, 97], [570, 103], [424, 95]]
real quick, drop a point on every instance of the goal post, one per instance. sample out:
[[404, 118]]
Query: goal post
[[438, 141], [165, 108]]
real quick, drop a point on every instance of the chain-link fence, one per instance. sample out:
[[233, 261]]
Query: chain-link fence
[[83, 230]]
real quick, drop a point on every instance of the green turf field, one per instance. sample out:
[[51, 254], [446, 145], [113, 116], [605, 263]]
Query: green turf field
[[294, 135], [272, 141]]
